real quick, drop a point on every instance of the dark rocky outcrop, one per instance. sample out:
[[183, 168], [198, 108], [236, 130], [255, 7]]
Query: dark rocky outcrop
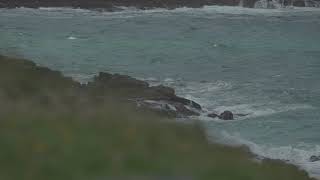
[[117, 81], [314, 158], [47, 86], [226, 115], [164, 90], [158, 98]]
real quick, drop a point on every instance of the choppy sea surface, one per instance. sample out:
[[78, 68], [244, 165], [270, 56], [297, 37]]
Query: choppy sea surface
[[261, 62]]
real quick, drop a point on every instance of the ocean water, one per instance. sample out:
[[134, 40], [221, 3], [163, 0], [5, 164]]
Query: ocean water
[[258, 61]]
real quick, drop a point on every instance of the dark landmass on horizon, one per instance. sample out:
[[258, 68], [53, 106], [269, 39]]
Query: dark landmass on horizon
[[112, 5]]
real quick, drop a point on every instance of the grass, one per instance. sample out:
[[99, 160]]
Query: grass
[[109, 140]]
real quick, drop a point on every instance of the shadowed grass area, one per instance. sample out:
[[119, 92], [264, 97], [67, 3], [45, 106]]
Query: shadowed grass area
[[110, 140]]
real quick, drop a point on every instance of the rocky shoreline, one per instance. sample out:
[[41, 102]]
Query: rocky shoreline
[[122, 88], [24, 81], [159, 99], [56, 127], [113, 5]]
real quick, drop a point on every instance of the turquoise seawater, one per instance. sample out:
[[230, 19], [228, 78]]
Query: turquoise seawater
[[258, 61]]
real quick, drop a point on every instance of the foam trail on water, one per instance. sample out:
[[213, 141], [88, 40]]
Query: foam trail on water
[[206, 94], [72, 38]]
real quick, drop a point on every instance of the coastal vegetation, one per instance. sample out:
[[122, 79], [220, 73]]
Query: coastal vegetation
[[52, 127]]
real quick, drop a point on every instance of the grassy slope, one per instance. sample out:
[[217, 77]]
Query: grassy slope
[[63, 140]]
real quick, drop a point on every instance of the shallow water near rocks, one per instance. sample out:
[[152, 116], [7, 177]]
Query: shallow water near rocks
[[265, 63]]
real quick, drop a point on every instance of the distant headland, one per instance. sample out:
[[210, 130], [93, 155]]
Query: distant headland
[[112, 5]]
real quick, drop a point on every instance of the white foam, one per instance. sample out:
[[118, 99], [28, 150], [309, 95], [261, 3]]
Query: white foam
[[298, 155], [205, 92], [72, 38], [221, 9], [196, 91]]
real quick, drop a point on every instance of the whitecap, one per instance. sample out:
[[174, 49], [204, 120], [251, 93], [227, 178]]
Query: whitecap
[[72, 38]]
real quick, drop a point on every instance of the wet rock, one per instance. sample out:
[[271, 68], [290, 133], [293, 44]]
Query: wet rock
[[226, 115], [118, 81], [183, 110], [157, 98], [213, 115], [314, 158], [168, 107], [50, 87], [195, 105], [186, 102]]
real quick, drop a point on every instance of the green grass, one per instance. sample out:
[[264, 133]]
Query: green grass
[[38, 143], [83, 140]]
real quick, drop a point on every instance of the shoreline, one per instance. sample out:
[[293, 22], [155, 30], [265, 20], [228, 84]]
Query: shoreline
[[50, 89]]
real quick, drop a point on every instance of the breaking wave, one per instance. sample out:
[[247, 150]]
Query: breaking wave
[[297, 154]]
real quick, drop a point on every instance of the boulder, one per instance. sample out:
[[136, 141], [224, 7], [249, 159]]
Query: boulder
[[195, 105], [226, 115], [314, 158]]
